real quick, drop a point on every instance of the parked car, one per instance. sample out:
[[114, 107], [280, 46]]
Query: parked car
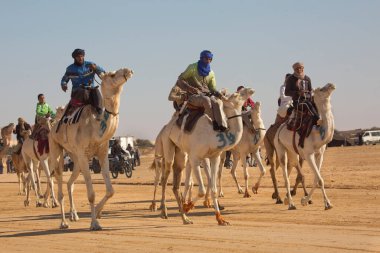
[[371, 137]]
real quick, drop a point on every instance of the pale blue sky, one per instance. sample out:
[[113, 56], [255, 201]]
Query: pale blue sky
[[254, 44]]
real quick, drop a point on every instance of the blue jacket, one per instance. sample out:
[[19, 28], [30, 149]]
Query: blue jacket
[[80, 75]]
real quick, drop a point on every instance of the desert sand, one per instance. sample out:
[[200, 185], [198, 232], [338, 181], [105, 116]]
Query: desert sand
[[352, 177]]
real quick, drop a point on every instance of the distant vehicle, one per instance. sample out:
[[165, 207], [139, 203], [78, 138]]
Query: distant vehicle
[[68, 163], [121, 164], [124, 141], [371, 137]]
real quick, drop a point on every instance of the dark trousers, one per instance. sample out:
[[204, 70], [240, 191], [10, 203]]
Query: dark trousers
[[88, 96]]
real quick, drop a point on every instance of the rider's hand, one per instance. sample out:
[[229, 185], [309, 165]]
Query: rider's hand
[[301, 93], [64, 87], [92, 67]]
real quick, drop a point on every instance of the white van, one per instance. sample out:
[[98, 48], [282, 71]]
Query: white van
[[371, 137]]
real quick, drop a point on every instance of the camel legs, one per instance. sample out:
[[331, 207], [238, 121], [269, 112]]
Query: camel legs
[[282, 155], [164, 182], [214, 162], [153, 206], [31, 180], [21, 183], [300, 179], [206, 168], [233, 171], [257, 157], [179, 165], [83, 167], [246, 175], [103, 159], [70, 190], [317, 180], [220, 172], [50, 185]]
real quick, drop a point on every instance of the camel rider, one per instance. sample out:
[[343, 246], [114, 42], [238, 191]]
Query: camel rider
[[197, 85], [298, 86], [82, 76], [42, 110], [20, 128], [284, 103], [117, 150]]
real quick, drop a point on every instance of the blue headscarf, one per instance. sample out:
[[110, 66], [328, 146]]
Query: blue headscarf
[[204, 68]]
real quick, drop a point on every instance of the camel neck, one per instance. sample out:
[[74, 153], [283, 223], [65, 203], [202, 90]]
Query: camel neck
[[327, 120], [235, 125]]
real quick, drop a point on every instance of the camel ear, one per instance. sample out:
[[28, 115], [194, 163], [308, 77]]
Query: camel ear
[[111, 74]]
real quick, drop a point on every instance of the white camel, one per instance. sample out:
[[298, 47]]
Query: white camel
[[249, 143], [203, 142], [33, 159], [314, 146], [85, 139]]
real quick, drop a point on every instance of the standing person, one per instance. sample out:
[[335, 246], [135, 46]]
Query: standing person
[[197, 85], [82, 76]]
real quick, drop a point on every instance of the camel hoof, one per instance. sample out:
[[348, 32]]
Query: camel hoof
[[74, 216], [153, 207], [246, 195], [221, 195], [206, 203], [55, 205], [187, 221], [188, 207], [275, 195], [64, 225], [38, 204], [279, 201], [220, 206], [95, 226], [255, 189], [240, 191], [286, 201], [310, 202], [292, 207], [26, 203], [305, 201], [46, 205], [164, 214], [328, 206], [293, 192]]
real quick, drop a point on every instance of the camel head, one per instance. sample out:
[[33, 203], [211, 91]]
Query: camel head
[[7, 130], [322, 95], [237, 99], [112, 82], [256, 111], [59, 112]]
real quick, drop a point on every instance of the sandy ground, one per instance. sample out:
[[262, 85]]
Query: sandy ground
[[352, 177]]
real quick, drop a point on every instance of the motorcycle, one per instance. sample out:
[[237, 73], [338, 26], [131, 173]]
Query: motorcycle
[[120, 164]]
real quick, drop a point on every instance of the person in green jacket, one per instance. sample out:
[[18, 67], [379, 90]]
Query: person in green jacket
[[42, 110], [197, 85]]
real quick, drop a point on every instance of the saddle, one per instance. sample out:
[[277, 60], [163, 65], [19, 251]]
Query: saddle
[[42, 140], [193, 115], [302, 123]]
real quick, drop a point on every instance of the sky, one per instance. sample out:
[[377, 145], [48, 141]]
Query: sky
[[254, 44]]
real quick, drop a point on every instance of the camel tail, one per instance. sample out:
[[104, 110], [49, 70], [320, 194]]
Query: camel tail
[[156, 164]]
